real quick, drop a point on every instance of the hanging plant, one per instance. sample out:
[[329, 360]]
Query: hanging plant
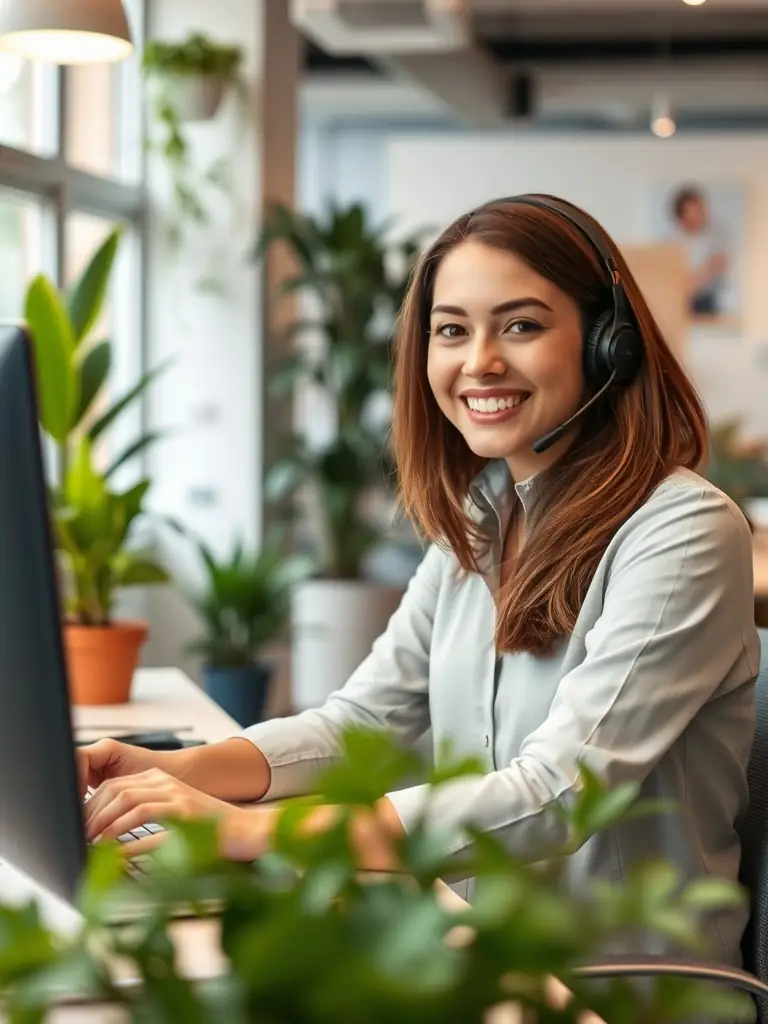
[[192, 78]]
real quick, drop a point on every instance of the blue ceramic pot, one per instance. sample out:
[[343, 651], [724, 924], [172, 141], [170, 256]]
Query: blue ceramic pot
[[239, 690]]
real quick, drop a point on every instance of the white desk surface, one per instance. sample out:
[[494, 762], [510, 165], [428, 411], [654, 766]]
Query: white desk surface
[[168, 699]]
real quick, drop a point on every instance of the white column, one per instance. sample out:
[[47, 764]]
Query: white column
[[208, 472]]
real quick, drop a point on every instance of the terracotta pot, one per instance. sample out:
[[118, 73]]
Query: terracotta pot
[[101, 660]]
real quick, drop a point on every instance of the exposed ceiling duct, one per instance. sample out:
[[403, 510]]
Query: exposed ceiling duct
[[428, 41]]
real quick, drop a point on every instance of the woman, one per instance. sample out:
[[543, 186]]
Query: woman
[[586, 595]]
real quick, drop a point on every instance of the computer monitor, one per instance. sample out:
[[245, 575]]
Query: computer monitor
[[41, 822]]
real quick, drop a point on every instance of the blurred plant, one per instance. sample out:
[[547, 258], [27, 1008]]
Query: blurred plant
[[305, 938], [72, 370], [738, 468], [354, 278], [245, 601], [172, 65], [93, 529]]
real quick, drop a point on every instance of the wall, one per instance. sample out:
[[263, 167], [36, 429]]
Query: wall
[[433, 179], [207, 470]]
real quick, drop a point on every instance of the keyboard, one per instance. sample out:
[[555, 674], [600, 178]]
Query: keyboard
[[150, 828], [136, 867], [140, 833]]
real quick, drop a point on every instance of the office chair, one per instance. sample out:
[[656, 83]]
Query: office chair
[[753, 830]]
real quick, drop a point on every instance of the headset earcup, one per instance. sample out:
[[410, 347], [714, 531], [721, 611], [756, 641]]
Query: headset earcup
[[597, 349]]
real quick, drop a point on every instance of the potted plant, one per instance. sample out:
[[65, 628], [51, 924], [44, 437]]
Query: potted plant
[[93, 525], [191, 77], [243, 606], [72, 375], [354, 278], [73, 368], [303, 937]]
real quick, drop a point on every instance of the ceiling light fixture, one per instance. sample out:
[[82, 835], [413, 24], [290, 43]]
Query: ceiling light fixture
[[662, 119], [66, 31], [693, 3]]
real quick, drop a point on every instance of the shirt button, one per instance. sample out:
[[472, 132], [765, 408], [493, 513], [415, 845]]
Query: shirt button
[[487, 740]]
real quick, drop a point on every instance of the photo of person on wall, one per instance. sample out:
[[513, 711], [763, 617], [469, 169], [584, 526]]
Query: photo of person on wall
[[710, 224]]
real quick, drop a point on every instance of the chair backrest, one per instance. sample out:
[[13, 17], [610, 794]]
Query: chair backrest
[[753, 830]]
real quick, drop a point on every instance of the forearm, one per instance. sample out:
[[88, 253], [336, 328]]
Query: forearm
[[233, 770]]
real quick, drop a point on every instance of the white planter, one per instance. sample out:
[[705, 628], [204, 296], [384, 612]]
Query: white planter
[[196, 97], [757, 510], [334, 624]]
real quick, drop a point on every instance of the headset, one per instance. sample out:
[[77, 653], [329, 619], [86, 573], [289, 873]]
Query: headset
[[613, 345]]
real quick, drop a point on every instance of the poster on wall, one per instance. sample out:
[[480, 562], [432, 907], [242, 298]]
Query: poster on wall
[[709, 221]]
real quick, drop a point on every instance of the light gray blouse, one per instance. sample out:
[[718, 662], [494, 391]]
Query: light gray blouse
[[656, 684]]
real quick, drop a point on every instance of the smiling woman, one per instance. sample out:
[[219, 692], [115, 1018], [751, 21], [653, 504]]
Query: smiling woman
[[586, 600], [522, 353], [515, 300]]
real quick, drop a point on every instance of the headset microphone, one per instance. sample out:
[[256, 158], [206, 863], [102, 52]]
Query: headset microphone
[[613, 345], [554, 436]]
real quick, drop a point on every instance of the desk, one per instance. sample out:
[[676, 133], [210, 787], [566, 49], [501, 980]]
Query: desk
[[168, 699], [162, 698]]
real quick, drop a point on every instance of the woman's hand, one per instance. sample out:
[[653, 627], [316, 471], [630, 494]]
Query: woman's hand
[[245, 833], [106, 759], [231, 770], [125, 803]]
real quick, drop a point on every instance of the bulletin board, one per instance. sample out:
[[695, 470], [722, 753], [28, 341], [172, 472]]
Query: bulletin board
[[660, 270]]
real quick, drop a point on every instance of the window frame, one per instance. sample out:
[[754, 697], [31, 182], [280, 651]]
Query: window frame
[[66, 189]]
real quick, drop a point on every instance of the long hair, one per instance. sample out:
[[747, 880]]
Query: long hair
[[629, 443]]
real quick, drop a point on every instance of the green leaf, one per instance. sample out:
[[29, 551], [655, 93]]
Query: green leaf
[[134, 497], [611, 807], [104, 874], [84, 488], [94, 370], [76, 972], [53, 345], [139, 572], [446, 768], [285, 374], [713, 894], [676, 999], [284, 478], [64, 536], [25, 945], [127, 399], [27, 1014], [87, 297], [370, 768], [138, 446], [659, 881]]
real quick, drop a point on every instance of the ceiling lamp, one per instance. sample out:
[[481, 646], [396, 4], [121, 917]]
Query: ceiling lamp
[[65, 31], [662, 119], [693, 3]]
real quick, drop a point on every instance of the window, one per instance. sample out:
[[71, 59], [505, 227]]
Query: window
[[103, 132], [23, 249], [120, 318], [27, 104], [71, 159]]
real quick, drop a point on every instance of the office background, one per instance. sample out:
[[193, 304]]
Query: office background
[[541, 98]]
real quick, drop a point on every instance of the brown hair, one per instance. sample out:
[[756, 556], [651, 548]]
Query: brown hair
[[683, 196], [627, 445]]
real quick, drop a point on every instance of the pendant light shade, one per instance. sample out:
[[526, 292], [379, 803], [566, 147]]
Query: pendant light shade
[[65, 31]]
